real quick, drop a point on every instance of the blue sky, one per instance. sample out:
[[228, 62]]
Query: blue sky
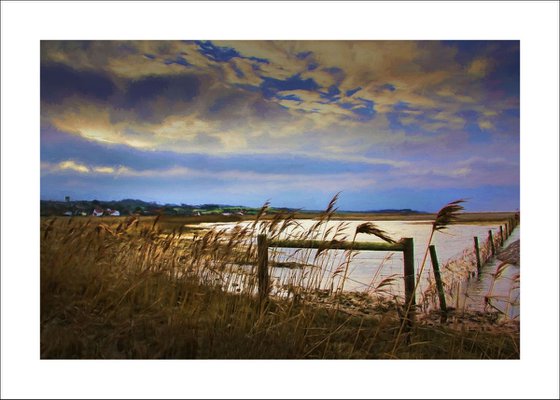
[[389, 124]]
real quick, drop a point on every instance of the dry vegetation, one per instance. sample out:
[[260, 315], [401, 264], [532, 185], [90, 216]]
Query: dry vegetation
[[145, 288]]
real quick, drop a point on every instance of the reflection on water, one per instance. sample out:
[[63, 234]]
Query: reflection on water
[[373, 270]]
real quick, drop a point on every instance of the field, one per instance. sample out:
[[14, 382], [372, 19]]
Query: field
[[138, 287]]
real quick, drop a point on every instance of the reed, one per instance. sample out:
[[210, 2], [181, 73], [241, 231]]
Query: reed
[[446, 216], [139, 288]]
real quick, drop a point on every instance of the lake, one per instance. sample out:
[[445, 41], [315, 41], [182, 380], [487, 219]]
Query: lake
[[366, 270]]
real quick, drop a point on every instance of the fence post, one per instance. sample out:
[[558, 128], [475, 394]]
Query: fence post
[[491, 239], [501, 236], [262, 250], [477, 252], [439, 283], [410, 297]]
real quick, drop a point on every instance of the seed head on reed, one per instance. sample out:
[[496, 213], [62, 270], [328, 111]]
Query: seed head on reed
[[331, 207], [262, 212], [448, 215], [156, 221], [371, 229]]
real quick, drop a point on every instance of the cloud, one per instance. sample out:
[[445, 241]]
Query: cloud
[[468, 173], [478, 68], [104, 170], [72, 166], [344, 180], [380, 104], [59, 81], [155, 97], [173, 88]]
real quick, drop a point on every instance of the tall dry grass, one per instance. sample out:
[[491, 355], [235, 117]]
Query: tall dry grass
[[126, 288]]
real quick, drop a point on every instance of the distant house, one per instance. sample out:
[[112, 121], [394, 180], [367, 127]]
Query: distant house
[[98, 212], [226, 214], [113, 213], [68, 213]]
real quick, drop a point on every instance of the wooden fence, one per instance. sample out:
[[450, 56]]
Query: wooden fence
[[505, 232], [406, 246]]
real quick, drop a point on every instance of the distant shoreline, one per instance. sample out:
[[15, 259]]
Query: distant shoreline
[[466, 217], [463, 218]]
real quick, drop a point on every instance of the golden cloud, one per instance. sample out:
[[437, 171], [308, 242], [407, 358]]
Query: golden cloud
[[478, 68], [72, 166]]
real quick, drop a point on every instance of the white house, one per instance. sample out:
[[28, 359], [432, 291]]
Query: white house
[[114, 213], [97, 212]]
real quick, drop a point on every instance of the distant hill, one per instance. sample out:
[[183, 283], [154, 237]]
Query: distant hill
[[135, 206], [395, 211]]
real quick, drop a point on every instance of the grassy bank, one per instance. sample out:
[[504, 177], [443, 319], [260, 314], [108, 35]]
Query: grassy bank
[[135, 288]]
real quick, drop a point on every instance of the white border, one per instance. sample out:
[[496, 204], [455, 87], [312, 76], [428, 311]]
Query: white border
[[25, 24]]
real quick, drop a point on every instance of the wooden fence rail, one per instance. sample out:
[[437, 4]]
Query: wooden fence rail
[[406, 246], [336, 245]]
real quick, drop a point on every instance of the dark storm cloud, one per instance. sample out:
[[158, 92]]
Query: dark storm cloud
[[59, 81], [172, 91], [172, 88]]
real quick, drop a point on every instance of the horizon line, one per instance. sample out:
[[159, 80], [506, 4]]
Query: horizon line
[[301, 209]]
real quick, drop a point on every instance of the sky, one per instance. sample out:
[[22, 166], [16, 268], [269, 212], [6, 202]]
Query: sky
[[388, 124]]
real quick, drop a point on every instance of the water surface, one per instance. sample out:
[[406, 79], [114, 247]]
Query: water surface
[[368, 269]]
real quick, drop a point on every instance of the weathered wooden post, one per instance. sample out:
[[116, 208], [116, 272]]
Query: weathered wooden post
[[410, 296], [501, 236], [477, 252], [262, 273], [439, 283], [491, 239]]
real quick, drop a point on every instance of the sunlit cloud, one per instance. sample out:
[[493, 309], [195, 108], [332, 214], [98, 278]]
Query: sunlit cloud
[[72, 166], [478, 68]]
